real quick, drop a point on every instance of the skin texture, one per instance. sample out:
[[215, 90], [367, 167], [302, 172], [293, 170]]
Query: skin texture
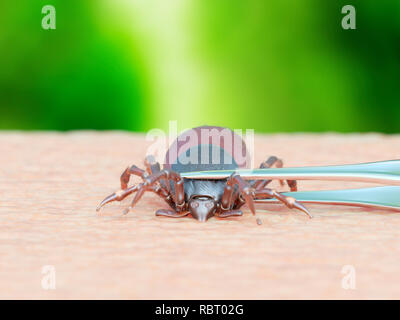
[[51, 184]]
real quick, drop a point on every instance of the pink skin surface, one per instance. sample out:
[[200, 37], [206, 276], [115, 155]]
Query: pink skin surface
[[51, 184]]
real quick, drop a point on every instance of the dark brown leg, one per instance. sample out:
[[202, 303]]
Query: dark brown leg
[[230, 213], [227, 198], [230, 197], [171, 213], [273, 161], [117, 196], [133, 170], [125, 191], [247, 194], [152, 167], [151, 181], [287, 201], [260, 184], [163, 188]]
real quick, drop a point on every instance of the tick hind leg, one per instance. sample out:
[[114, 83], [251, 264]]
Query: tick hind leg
[[278, 163]]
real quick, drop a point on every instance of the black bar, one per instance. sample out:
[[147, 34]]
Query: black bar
[[193, 309]]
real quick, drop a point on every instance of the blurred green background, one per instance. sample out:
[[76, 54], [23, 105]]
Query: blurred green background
[[274, 66]]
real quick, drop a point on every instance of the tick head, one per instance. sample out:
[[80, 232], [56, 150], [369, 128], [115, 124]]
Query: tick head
[[202, 208]]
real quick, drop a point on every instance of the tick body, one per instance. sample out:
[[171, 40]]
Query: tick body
[[220, 149]]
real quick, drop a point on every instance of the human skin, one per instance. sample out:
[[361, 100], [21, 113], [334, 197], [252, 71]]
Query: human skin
[[51, 184]]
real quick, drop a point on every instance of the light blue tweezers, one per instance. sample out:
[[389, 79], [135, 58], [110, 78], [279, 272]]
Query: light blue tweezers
[[384, 172]]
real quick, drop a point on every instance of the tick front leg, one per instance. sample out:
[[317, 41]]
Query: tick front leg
[[229, 197], [230, 213], [122, 194], [117, 196], [152, 167], [125, 191], [171, 213], [234, 213], [244, 190]]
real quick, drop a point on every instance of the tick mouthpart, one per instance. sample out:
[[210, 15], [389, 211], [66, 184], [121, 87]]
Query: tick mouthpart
[[202, 208], [201, 219]]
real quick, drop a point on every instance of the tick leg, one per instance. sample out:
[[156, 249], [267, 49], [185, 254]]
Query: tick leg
[[230, 213], [133, 170], [245, 190], [117, 196], [234, 213], [152, 167], [171, 213], [227, 199], [152, 180], [163, 188], [273, 161], [260, 184], [230, 196], [288, 201], [122, 194]]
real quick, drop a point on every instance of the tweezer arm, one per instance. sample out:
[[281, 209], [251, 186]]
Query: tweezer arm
[[380, 197], [384, 172]]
